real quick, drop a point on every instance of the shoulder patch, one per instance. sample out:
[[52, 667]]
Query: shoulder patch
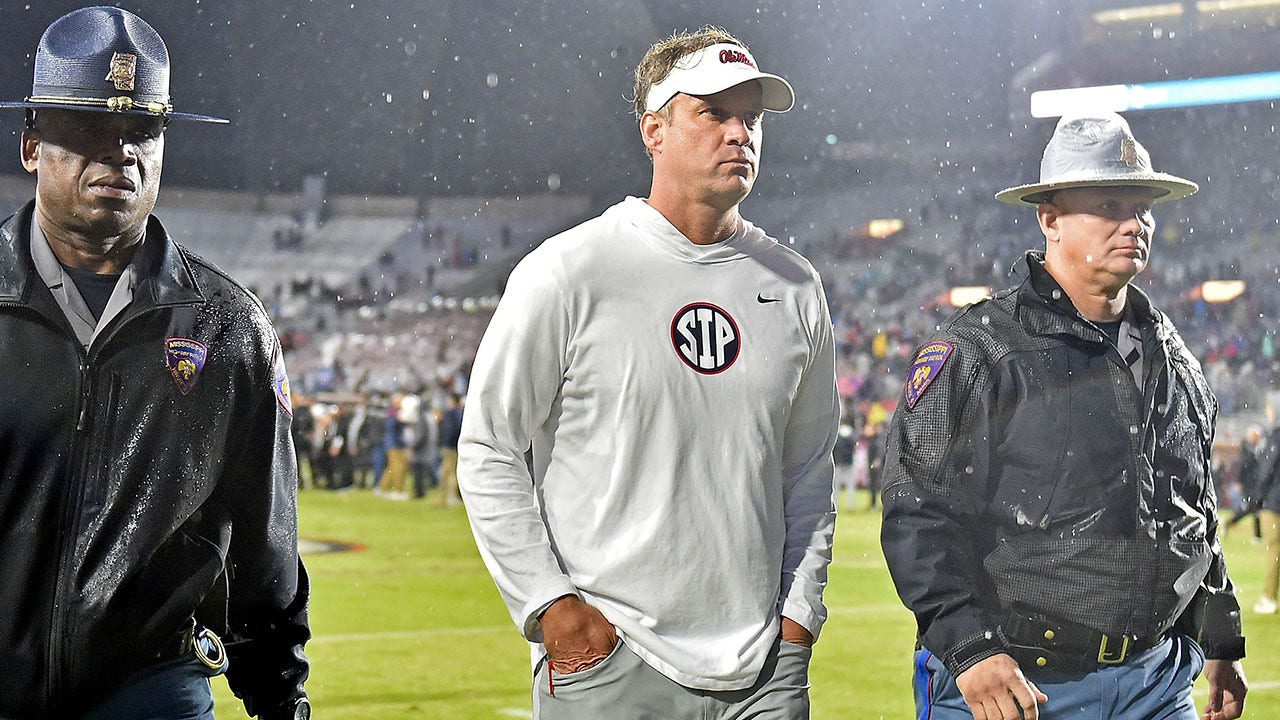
[[185, 359], [280, 382], [925, 369]]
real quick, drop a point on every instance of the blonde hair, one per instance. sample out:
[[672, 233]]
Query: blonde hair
[[663, 55]]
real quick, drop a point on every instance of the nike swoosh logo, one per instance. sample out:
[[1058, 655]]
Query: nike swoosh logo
[[764, 300]]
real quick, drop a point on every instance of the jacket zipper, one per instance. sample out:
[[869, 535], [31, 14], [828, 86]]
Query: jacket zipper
[[67, 539], [1148, 547], [72, 505]]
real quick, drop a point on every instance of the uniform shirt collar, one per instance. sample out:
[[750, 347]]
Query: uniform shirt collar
[[68, 296]]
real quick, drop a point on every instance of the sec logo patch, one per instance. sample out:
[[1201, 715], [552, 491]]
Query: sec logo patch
[[705, 338]]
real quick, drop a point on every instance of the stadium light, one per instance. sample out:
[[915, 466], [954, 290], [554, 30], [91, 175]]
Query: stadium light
[[967, 295], [1142, 12], [1174, 9], [1151, 96], [1220, 291], [1210, 6], [884, 228]]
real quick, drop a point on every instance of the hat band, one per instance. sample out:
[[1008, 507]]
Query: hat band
[[120, 103]]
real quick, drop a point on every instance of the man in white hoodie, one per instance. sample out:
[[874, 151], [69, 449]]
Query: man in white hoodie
[[671, 368]]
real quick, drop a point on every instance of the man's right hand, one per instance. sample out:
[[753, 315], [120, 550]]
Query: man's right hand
[[995, 689], [576, 635]]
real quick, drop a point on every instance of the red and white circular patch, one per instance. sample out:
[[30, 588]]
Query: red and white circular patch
[[705, 338]]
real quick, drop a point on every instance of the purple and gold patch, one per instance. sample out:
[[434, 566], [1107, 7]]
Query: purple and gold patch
[[923, 371], [185, 359], [280, 383]]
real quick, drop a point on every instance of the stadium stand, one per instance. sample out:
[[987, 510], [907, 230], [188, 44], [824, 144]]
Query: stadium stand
[[391, 294]]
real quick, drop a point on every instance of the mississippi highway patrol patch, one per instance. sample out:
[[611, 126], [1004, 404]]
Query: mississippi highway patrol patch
[[280, 383], [928, 363], [185, 359]]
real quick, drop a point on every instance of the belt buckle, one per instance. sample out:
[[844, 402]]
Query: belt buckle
[[209, 650], [1106, 656]]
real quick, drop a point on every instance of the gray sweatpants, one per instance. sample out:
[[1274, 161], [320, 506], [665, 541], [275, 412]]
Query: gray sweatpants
[[623, 687]]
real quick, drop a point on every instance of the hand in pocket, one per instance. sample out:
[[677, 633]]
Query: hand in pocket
[[576, 635]]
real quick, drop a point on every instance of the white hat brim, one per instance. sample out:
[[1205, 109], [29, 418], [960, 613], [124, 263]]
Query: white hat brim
[[775, 93], [1172, 187], [701, 76]]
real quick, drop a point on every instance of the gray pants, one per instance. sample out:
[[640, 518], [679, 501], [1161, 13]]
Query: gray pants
[[623, 687]]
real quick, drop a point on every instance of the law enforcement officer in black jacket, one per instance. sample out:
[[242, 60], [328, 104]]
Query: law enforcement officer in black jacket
[[1049, 513], [148, 528]]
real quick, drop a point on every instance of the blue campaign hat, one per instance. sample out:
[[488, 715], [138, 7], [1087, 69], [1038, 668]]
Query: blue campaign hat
[[1096, 150], [103, 59]]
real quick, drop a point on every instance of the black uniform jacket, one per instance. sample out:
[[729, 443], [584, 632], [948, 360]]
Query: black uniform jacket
[[1033, 473], [134, 497]]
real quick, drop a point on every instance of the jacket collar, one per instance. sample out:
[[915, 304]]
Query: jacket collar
[[1044, 307], [17, 271], [164, 272]]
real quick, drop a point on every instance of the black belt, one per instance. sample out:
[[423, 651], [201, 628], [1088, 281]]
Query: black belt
[[1038, 642], [177, 646]]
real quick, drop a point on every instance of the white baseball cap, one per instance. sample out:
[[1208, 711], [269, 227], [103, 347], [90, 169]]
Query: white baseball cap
[[715, 68]]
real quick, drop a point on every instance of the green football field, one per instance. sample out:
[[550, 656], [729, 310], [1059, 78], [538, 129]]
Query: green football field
[[411, 626]]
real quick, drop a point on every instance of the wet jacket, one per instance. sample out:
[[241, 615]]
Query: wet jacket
[[134, 497], [1033, 473]]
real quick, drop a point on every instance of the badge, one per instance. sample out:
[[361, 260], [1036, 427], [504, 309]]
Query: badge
[[185, 359], [123, 69], [1129, 153], [705, 338], [280, 383], [928, 363]]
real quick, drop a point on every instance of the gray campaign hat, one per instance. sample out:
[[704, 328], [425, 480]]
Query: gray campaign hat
[[103, 59], [1094, 151]]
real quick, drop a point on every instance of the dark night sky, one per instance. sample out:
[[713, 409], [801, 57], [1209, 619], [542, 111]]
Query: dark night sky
[[415, 98]]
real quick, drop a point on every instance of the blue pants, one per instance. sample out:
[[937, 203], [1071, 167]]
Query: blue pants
[[177, 690], [1152, 685]]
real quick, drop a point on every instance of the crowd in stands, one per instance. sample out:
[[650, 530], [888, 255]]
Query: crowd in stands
[[887, 296], [362, 350]]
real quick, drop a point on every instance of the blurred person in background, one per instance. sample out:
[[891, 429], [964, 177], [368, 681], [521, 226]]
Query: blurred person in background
[[147, 479], [397, 440], [426, 450], [842, 454], [301, 430], [371, 448], [670, 368], [320, 458], [1049, 511], [871, 439], [449, 428], [1262, 501], [1248, 476], [339, 447]]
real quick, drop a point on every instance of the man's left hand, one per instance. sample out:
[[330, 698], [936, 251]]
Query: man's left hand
[[794, 633], [1227, 688]]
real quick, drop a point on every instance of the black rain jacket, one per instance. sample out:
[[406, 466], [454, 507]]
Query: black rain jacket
[[128, 507], [1034, 473]]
